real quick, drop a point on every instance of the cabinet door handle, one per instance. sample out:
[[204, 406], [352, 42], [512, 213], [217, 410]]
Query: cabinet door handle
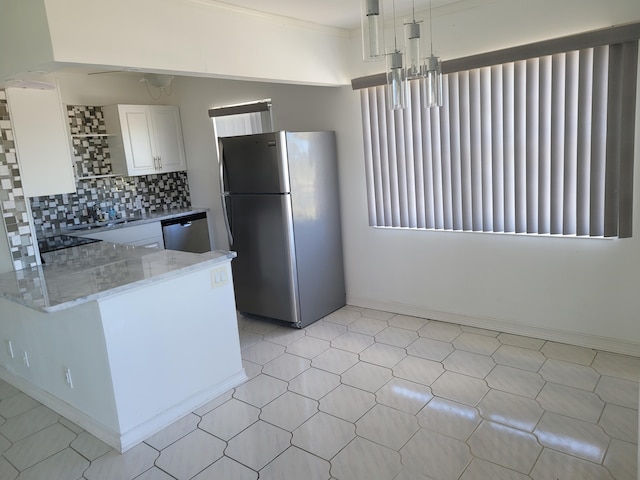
[[159, 163], [155, 163]]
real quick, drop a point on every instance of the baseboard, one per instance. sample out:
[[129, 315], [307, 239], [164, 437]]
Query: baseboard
[[160, 422], [562, 336], [127, 440], [97, 429]]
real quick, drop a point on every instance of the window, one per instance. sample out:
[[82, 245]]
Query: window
[[538, 144], [243, 119]]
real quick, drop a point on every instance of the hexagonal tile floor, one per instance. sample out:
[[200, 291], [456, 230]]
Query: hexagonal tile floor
[[364, 394]]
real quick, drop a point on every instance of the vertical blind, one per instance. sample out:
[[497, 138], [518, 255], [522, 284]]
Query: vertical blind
[[542, 145]]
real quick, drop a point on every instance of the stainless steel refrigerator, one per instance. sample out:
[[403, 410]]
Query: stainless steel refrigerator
[[280, 197]]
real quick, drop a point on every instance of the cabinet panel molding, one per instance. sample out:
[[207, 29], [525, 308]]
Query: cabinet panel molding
[[147, 139]]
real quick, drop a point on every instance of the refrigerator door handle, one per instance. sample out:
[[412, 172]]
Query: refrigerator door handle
[[291, 253], [225, 212], [221, 162], [227, 223]]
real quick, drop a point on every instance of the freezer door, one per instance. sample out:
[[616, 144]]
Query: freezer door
[[264, 273], [255, 164]]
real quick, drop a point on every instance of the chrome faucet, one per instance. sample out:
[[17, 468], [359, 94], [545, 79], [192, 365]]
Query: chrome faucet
[[94, 213]]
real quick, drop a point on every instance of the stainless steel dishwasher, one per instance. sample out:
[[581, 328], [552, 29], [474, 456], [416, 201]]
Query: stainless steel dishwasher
[[189, 233]]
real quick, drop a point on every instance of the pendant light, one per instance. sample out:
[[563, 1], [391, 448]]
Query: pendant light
[[396, 84], [412, 46], [372, 30], [432, 81]]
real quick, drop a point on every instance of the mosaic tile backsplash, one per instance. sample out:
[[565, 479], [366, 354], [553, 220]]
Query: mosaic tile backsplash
[[12, 201], [91, 154], [128, 196]]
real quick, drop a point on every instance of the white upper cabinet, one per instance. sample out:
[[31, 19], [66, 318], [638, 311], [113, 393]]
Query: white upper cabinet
[[42, 141], [147, 139]]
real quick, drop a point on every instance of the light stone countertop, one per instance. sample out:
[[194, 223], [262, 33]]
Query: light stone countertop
[[89, 272]]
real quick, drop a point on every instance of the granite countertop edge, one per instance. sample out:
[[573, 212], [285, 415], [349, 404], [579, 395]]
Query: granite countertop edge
[[201, 261], [220, 257]]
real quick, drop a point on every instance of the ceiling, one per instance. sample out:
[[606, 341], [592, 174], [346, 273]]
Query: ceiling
[[333, 13], [344, 14]]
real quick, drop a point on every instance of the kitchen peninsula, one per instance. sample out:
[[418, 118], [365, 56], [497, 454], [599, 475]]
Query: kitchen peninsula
[[120, 339]]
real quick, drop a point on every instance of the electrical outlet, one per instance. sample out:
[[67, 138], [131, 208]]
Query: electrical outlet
[[219, 277]]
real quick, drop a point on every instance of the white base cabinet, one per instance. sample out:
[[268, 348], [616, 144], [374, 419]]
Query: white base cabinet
[[126, 366], [147, 139]]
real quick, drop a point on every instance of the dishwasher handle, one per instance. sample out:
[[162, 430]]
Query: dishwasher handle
[[184, 220], [187, 233]]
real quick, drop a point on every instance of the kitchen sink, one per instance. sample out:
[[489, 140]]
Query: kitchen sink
[[106, 223]]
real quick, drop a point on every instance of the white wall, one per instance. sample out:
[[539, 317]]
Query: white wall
[[575, 290], [198, 37]]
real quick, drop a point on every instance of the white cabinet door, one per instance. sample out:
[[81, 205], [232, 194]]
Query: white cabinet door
[[167, 131], [138, 143], [42, 141], [148, 139]]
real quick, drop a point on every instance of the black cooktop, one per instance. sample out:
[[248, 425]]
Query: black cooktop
[[59, 242]]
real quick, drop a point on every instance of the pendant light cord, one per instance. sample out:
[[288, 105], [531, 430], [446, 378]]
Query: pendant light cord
[[430, 28], [395, 36], [151, 94]]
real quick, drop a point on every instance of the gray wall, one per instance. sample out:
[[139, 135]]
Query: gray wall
[[5, 255], [295, 107]]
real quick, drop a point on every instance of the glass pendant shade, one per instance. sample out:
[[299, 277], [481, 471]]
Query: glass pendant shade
[[412, 47], [432, 83], [396, 84], [372, 30]]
